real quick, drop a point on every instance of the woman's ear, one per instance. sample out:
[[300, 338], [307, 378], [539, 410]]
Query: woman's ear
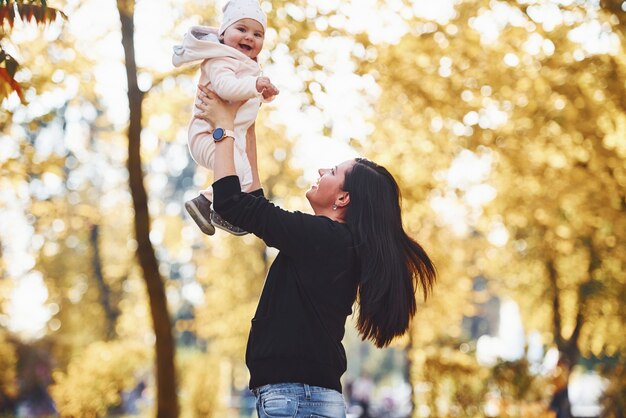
[[343, 200]]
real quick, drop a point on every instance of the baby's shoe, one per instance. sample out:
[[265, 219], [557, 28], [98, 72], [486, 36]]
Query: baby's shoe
[[199, 208], [220, 223]]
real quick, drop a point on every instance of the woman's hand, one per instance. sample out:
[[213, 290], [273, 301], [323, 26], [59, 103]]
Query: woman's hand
[[218, 112]]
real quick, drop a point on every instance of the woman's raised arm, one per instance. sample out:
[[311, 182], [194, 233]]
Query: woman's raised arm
[[220, 114]]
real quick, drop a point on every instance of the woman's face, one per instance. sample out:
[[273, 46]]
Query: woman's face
[[329, 187], [245, 35]]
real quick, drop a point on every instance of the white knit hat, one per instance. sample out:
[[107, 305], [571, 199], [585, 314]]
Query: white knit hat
[[236, 10]]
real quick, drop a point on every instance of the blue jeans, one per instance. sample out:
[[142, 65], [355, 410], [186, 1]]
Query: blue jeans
[[297, 400]]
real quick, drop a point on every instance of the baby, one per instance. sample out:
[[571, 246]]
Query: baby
[[229, 65]]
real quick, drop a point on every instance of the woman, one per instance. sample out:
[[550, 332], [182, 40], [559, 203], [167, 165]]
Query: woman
[[353, 249]]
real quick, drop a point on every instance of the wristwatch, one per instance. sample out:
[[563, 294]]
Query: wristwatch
[[219, 134]]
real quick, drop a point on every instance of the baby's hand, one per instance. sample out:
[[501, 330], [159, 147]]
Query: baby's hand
[[265, 86], [262, 83]]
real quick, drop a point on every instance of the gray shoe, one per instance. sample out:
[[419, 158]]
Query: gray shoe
[[199, 209], [220, 223]]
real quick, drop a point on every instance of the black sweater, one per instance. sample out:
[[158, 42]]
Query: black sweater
[[299, 323]]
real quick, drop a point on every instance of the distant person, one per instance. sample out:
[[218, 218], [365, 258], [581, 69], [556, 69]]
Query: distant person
[[229, 64], [560, 403], [353, 248], [362, 391]]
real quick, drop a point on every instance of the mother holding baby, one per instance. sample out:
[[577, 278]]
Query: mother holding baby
[[353, 248]]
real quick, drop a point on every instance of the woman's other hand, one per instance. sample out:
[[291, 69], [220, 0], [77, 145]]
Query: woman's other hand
[[218, 112]]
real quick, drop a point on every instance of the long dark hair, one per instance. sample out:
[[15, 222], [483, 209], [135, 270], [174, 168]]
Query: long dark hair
[[392, 264]]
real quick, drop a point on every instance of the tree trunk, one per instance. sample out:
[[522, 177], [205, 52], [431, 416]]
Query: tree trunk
[[568, 347], [569, 352], [167, 402], [110, 312]]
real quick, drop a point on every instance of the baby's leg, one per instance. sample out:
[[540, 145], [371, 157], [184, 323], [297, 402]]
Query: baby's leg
[[201, 144], [207, 193], [202, 150]]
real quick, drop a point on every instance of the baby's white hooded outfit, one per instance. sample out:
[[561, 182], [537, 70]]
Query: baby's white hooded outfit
[[233, 77]]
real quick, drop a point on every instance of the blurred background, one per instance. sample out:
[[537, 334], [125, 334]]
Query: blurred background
[[504, 121]]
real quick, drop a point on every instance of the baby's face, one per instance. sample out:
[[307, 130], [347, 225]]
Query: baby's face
[[245, 35]]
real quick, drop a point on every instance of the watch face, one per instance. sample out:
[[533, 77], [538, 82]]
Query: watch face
[[218, 133]]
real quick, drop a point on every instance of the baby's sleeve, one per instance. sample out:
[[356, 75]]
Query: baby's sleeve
[[226, 83]]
